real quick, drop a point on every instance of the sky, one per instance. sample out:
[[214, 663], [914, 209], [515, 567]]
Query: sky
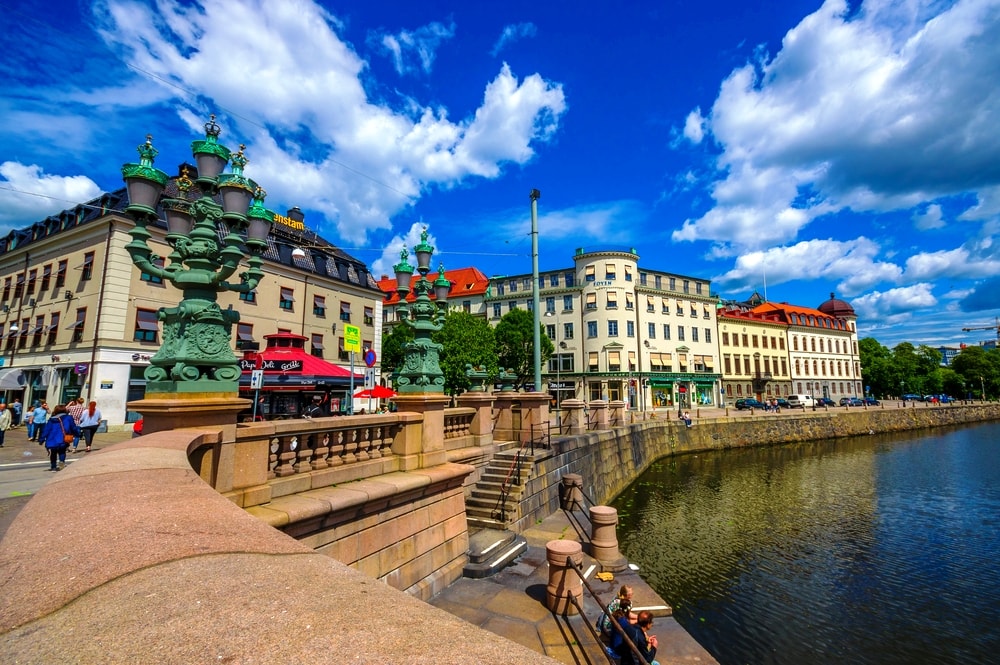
[[797, 148]]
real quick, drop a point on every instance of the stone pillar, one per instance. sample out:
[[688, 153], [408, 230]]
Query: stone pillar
[[431, 406], [604, 538], [482, 423], [599, 414], [503, 402], [571, 492], [534, 416], [574, 417], [617, 413], [564, 582]]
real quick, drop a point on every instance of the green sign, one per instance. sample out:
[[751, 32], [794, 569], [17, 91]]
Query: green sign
[[352, 338]]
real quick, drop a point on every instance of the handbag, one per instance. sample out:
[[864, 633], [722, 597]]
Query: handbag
[[67, 438]]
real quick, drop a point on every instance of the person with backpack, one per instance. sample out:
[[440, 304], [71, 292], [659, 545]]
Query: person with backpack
[[58, 433]]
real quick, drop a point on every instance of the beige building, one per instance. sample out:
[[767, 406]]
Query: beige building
[[77, 318], [754, 354], [621, 331]]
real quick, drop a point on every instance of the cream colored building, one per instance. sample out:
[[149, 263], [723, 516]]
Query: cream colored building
[[754, 354], [621, 331], [77, 318]]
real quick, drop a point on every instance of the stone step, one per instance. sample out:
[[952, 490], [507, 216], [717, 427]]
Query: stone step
[[489, 494], [476, 522], [490, 550]]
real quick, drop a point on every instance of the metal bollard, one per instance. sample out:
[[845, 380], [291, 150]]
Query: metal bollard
[[564, 582]]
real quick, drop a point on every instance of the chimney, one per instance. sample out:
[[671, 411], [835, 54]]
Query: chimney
[[296, 214]]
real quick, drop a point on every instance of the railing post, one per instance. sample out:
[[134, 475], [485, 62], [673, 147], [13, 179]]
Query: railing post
[[564, 583], [604, 538], [599, 414], [617, 415], [571, 492], [575, 419]]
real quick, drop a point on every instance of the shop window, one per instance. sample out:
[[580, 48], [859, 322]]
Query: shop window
[[146, 326]]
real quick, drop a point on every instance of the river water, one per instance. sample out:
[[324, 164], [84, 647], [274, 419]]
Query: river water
[[882, 549]]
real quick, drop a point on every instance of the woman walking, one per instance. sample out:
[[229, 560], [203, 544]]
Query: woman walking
[[58, 429], [89, 422]]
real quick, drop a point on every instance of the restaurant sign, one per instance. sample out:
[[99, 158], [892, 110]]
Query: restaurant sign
[[272, 365]]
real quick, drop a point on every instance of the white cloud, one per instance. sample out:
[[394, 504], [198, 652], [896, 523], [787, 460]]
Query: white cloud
[[881, 305], [931, 218], [314, 137], [987, 205], [879, 109], [421, 44], [853, 263], [955, 263], [390, 253], [694, 126], [512, 33], [49, 194]]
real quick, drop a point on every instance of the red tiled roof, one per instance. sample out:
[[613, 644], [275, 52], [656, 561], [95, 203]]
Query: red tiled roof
[[784, 310], [464, 282]]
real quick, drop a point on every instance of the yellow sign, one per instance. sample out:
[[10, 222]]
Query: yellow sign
[[352, 338], [288, 221]]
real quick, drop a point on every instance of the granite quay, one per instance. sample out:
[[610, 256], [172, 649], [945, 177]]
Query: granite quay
[[173, 554]]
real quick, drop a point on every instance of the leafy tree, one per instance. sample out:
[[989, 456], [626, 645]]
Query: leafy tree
[[393, 346], [876, 363], [467, 340], [515, 345], [907, 365]]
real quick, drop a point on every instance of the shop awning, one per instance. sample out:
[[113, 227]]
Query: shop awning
[[11, 378], [286, 367]]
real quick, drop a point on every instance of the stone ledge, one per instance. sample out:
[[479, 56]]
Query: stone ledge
[[158, 567]]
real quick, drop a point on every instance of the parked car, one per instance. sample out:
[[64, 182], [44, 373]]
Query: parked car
[[825, 401], [945, 399], [910, 397], [748, 403], [783, 403], [871, 401], [801, 401], [851, 401]]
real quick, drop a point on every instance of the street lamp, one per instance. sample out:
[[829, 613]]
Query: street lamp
[[421, 369], [195, 357], [537, 336]]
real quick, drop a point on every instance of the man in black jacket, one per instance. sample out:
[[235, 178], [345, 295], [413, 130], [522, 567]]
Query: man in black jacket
[[638, 633]]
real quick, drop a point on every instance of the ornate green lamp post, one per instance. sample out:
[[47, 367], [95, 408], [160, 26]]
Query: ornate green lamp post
[[421, 370], [195, 356]]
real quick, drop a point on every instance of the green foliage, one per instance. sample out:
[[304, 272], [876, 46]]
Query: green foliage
[[467, 340], [393, 345], [515, 346], [918, 370]]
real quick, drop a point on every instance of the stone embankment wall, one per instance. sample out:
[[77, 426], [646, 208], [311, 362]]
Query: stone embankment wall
[[611, 459]]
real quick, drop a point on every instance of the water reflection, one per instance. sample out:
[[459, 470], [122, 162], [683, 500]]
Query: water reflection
[[878, 549]]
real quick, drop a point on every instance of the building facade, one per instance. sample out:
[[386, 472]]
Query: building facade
[[754, 352], [78, 319], [621, 331]]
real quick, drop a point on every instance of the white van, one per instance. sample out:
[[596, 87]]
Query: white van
[[801, 401]]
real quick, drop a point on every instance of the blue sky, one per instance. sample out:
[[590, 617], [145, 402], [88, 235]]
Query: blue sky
[[797, 146]]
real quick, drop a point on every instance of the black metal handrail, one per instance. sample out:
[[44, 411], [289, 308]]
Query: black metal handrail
[[604, 609]]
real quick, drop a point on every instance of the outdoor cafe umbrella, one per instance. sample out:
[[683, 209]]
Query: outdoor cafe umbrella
[[378, 392]]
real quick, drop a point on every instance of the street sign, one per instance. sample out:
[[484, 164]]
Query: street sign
[[352, 338], [370, 357], [256, 379]]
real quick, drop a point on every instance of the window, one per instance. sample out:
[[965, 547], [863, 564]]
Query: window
[[628, 273], [88, 266], [345, 311], [708, 335], [61, 273], [526, 284], [725, 339], [666, 331], [567, 331], [550, 331], [317, 345], [46, 278], [657, 282], [630, 328], [591, 301], [287, 299], [664, 306], [369, 313], [513, 285], [146, 326], [727, 367], [707, 311], [609, 271], [673, 283], [569, 278], [22, 334], [319, 306], [499, 288], [249, 296], [53, 327], [466, 306], [567, 303], [591, 328], [37, 330], [550, 304], [694, 311], [341, 352], [680, 333], [553, 280], [590, 273], [19, 287], [592, 361], [612, 300], [697, 288], [745, 338], [150, 277], [753, 341], [687, 286], [651, 331], [32, 280], [614, 361], [629, 302], [642, 279], [529, 305], [496, 310], [694, 334], [244, 335], [650, 306], [78, 325], [680, 308], [612, 329], [6, 289], [511, 305]]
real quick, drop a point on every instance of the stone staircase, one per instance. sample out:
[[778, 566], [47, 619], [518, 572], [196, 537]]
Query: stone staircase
[[485, 506]]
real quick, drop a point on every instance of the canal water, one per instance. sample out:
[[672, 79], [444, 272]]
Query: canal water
[[882, 549]]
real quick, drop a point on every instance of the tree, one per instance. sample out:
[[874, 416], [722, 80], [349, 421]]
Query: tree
[[467, 340], [876, 363], [393, 346], [515, 346]]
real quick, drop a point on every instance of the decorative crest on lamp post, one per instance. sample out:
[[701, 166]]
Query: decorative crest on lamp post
[[195, 355], [421, 369]]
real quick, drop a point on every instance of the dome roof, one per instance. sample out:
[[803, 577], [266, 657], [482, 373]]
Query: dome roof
[[837, 308]]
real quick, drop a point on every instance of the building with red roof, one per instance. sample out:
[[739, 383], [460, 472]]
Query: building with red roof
[[469, 288]]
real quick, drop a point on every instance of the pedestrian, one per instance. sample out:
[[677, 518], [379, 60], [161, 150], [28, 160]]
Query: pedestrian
[[89, 422], [687, 419], [15, 415], [639, 634], [137, 429], [39, 416], [316, 409], [5, 420], [75, 409], [57, 435]]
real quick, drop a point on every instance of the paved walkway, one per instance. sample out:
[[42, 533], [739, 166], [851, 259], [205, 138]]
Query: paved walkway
[[512, 604]]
